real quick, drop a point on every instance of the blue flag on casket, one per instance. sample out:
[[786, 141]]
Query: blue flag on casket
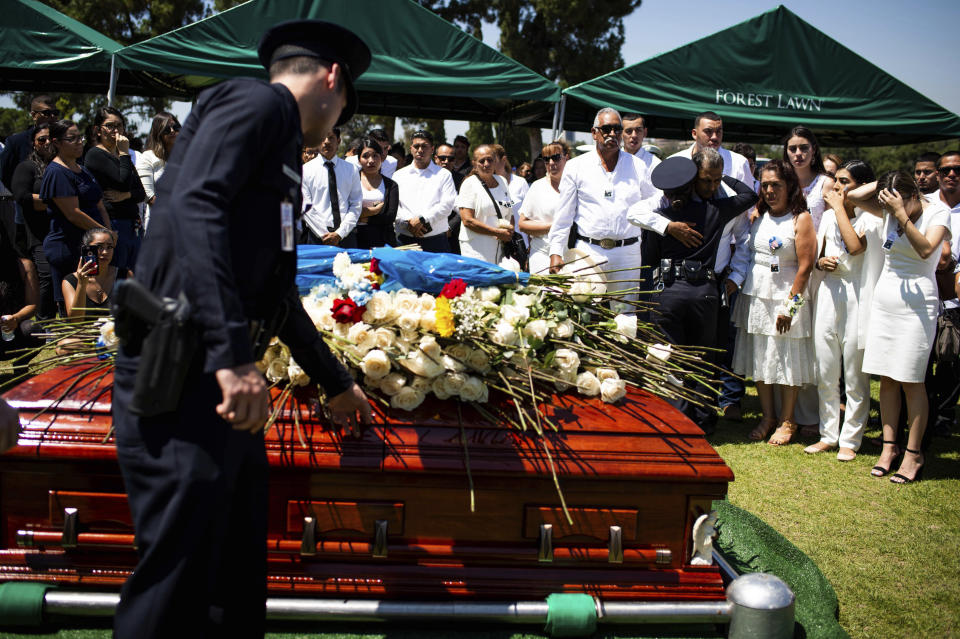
[[417, 270]]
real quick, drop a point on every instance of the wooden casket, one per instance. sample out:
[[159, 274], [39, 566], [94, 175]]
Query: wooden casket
[[388, 516]]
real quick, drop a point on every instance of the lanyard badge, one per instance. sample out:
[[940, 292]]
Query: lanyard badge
[[286, 226]]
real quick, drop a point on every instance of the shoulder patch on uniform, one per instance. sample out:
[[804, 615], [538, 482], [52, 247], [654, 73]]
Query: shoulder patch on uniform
[[290, 173]]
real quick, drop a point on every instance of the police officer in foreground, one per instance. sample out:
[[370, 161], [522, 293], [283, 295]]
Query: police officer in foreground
[[221, 249], [689, 293]]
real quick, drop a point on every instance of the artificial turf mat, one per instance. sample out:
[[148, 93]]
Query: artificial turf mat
[[749, 544]]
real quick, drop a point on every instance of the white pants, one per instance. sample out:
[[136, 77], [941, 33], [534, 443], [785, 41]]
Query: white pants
[[617, 259], [835, 328]]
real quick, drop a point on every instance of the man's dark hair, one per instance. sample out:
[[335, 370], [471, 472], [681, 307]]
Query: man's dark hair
[[299, 64], [928, 156], [336, 131], [706, 115], [745, 150], [462, 138], [444, 143], [379, 134], [397, 148], [634, 116], [42, 100], [422, 134], [946, 154]]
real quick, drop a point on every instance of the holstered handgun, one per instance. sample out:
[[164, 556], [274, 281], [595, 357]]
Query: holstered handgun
[[161, 331]]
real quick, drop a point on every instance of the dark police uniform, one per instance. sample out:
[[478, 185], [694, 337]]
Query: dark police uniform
[[689, 300], [198, 488]]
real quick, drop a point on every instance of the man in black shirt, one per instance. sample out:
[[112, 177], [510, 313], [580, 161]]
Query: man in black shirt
[[222, 235], [18, 147], [688, 291]]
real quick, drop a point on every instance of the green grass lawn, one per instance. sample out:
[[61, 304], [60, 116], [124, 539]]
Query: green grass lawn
[[891, 552]]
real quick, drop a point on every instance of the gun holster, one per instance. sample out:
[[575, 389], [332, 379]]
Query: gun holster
[[160, 330]]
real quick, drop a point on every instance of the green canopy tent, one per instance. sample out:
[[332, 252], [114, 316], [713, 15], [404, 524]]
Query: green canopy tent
[[422, 65], [764, 76], [42, 50]]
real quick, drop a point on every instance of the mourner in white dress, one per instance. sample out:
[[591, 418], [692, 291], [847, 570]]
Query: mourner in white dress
[[482, 210], [540, 205]]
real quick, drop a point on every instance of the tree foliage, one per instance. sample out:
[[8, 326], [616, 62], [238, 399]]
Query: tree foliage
[[13, 121], [130, 21]]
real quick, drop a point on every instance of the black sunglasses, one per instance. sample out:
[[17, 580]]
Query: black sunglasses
[[556, 157], [445, 158], [172, 128], [55, 113], [607, 129], [944, 171]]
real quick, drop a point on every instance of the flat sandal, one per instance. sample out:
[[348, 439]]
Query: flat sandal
[[786, 429]]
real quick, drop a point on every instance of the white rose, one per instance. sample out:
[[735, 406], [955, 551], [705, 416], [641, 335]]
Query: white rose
[[375, 364], [421, 384], [567, 360], [453, 382], [537, 329], [391, 383], [109, 335], [563, 330], [419, 363], [581, 291], [277, 370], [514, 314], [565, 379], [341, 330], [429, 345], [427, 302], [298, 377], [439, 387], [490, 293], [385, 337], [407, 399], [606, 373], [626, 326], [659, 351], [379, 307], [407, 302], [479, 361], [341, 262], [474, 390], [452, 364], [409, 320], [588, 384], [503, 333], [314, 309], [459, 351], [612, 389], [524, 301], [510, 264], [324, 319], [428, 320], [362, 336]]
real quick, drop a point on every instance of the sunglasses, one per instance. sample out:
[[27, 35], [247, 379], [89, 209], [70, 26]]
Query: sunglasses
[[607, 129], [944, 171], [102, 247], [173, 128], [73, 138], [445, 158], [43, 139], [112, 126], [48, 113], [556, 157]]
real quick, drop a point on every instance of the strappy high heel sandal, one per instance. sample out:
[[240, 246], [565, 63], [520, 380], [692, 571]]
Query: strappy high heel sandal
[[760, 432], [880, 471], [784, 433], [917, 476]]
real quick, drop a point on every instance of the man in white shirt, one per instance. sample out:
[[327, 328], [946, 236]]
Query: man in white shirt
[[634, 131], [925, 173], [427, 195], [389, 165], [943, 378], [598, 190], [332, 197]]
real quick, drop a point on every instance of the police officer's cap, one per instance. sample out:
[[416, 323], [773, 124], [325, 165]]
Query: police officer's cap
[[322, 40], [673, 173]]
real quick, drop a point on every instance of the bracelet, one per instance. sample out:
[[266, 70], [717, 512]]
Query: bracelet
[[816, 264], [791, 306]]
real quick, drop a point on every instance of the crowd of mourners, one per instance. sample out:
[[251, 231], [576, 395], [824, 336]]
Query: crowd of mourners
[[806, 273]]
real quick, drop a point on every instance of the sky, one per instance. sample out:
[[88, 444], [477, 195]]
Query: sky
[[902, 38]]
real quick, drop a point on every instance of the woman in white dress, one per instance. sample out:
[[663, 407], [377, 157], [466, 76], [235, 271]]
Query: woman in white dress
[[536, 212], [773, 319], [841, 241], [486, 209], [802, 151], [903, 312], [152, 162]]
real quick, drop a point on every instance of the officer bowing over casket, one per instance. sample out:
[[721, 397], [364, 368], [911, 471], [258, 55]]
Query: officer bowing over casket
[[688, 292]]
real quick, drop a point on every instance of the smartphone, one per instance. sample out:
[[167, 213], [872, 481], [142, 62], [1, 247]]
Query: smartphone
[[426, 225], [90, 255]]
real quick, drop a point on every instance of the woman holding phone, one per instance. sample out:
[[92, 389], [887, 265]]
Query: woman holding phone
[[90, 287]]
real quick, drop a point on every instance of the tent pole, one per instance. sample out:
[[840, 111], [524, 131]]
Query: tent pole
[[556, 116], [112, 89], [563, 112]]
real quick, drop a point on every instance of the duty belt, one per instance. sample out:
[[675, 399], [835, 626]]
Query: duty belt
[[692, 271], [608, 243]]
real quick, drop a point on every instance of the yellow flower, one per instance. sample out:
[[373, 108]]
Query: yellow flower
[[444, 317]]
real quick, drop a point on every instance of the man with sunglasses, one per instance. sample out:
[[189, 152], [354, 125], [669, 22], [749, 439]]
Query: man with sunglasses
[[427, 195], [943, 377], [43, 110], [222, 237], [445, 158]]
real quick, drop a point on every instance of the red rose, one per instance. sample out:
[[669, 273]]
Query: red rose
[[346, 311], [454, 288], [375, 266]]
